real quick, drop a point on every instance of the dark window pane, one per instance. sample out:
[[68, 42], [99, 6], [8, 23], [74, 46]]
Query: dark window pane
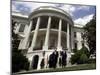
[[75, 45], [43, 22], [64, 25], [21, 29], [75, 34], [34, 24], [54, 22], [30, 43]]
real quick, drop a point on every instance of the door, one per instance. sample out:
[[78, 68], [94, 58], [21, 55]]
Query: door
[[35, 62]]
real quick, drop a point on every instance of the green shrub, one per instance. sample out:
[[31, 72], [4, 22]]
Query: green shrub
[[80, 56], [19, 61], [74, 58], [83, 59], [91, 61], [85, 51], [74, 50]]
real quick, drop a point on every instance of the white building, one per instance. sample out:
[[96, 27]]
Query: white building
[[46, 29]]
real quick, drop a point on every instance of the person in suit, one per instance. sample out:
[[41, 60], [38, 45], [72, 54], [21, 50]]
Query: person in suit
[[64, 56], [53, 59], [42, 63]]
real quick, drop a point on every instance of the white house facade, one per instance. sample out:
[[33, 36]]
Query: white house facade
[[47, 29]]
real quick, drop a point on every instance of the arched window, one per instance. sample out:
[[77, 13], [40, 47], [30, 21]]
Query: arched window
[[35, 61]]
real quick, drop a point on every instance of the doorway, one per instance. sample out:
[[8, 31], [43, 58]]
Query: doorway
[[35, 61]]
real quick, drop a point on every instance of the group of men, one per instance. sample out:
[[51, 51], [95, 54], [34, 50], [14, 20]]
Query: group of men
[[55, 58]]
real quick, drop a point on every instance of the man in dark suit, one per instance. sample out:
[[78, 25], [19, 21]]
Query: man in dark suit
[[64, 56], [53, 59]]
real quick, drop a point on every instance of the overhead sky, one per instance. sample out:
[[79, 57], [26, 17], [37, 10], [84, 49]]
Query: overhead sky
[[81, 14]]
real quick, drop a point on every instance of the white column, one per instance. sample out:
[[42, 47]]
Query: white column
[[45, 47], [25, 41], [39, 62], [68, 45], [35, 35], [68, 38], [59, 48], [72, 38]]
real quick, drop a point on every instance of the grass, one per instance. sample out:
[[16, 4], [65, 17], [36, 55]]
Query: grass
[[72, 68]]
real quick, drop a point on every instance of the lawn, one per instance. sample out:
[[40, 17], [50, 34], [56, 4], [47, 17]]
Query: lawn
[[72, 68]]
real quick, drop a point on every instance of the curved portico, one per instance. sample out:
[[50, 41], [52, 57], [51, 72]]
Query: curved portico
[[50, 28]]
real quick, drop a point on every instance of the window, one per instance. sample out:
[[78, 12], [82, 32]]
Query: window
[[75, 34], [64, 25], [41, 44], [54, 23], [82, 44], [21, 29], [52, 43], [34, 24], [30, 43], [43, 22], [75, 45], [82, 35]]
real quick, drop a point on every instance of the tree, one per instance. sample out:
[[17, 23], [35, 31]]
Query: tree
[[83, 59], [90, 34], [81, 56], [84, 50], [19, 61]]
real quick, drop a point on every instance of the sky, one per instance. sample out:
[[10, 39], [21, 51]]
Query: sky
[[81, 14]]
